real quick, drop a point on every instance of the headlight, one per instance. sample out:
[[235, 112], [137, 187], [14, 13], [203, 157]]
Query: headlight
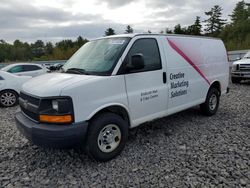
[[235, 67], [55, 105], [56, 110], [61, 105]]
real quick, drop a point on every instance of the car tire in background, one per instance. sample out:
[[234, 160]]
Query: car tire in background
[[8, 98], [107, 136]]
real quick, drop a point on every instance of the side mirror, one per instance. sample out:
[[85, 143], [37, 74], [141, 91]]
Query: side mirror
[[137, 62]]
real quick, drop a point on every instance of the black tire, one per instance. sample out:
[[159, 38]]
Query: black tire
[[94, 145], [210, 106], [235, 80], [13, 98]]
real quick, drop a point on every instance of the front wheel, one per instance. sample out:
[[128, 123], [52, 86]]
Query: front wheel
[[210, 106], [8, 98], [107, 136]]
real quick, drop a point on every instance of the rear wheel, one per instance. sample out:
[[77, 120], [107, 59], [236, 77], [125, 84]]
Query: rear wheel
[[8, 98], [210, 106], [235, 80], [107, 136]]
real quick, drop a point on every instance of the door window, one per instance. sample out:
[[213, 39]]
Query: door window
[[31, 68], [16, 69], [150, 52]]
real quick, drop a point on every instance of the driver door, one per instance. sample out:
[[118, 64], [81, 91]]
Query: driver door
[[146, 88]]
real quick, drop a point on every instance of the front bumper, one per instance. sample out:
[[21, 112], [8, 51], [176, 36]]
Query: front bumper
[[240, 74], [51, 135]]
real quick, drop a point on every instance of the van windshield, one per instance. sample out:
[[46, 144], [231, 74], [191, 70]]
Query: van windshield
[[97, 57]]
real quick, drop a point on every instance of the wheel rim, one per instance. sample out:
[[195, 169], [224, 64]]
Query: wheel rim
[[8, 99], [213, 102], [109, 138]]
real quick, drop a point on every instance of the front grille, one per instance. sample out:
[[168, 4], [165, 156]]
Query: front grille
[[244, 67], [29, 106], [30, 99], [30, 114]]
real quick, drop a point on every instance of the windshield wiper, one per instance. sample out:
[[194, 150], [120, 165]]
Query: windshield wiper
[[76, 71]]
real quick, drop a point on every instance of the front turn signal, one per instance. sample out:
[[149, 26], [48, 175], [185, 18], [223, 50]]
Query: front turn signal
[[55, 119]]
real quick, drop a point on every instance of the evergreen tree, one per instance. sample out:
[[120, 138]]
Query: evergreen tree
[[129, 29], [38, 44], [65, 44], [17, 43], [179, 30], [240, 13], [80, 41], [214, 23], [168, 31], [195, 29], [49, 48], [237, 34], [5, 51], [109, 32]]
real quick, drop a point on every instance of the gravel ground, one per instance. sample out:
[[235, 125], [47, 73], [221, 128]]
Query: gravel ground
[[183, 150]]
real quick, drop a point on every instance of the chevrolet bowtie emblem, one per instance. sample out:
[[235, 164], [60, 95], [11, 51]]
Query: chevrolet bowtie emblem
[[25, 104]]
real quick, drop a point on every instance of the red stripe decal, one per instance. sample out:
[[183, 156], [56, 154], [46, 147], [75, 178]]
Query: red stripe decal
[[178, 50]]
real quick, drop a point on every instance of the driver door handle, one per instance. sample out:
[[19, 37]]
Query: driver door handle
[[164, 76]]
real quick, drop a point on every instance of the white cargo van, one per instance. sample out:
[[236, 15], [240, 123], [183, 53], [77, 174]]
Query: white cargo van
[[115, 83]]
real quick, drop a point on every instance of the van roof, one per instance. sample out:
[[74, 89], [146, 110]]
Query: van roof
[[131, 35]]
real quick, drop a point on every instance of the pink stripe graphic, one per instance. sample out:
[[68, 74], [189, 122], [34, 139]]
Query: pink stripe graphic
[[178, 50]]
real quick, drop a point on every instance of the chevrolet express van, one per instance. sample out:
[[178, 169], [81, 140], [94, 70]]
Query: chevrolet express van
[[115, 83]]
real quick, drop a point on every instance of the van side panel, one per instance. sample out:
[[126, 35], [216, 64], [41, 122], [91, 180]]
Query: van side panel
[[216, 62], [193, 65], [186, 85]]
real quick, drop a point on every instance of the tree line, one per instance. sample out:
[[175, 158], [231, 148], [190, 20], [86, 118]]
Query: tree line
[[23, 51], [234, 33]]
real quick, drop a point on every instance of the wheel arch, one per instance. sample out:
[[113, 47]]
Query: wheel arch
[[115, 108], [10, 90], [216, 84]]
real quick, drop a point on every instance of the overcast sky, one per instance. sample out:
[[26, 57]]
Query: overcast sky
[[53, 20]]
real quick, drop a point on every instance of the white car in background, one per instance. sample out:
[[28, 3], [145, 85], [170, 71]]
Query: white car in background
[[25, 69], [10, 86], [241, 69]]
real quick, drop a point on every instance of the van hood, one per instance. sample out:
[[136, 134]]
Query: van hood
[[52, 84], [242, 61]]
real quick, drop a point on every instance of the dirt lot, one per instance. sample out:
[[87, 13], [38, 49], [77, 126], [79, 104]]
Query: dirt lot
[[183, 150]]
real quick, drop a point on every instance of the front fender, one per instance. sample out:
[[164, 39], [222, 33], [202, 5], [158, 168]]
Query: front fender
[[93, 113]]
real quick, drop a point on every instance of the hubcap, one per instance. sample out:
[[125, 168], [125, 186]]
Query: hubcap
[[109, 138], [213, 102], [8, 99]]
